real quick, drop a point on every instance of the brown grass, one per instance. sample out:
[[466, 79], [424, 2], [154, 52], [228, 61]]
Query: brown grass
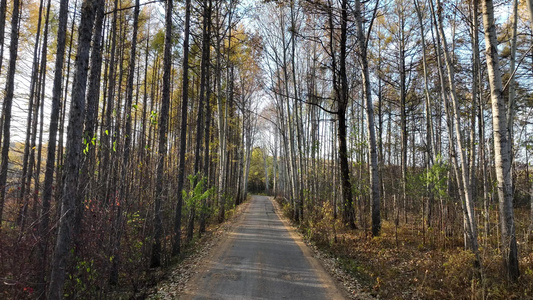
[[412, 262]]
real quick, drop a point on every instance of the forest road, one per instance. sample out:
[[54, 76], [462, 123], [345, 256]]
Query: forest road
[[262, 258]]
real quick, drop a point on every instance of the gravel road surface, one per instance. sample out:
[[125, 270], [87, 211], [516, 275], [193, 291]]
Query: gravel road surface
[[262, 259]]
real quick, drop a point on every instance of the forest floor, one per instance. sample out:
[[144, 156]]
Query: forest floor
[[410, 262]]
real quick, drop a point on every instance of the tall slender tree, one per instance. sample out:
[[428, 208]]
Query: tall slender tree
[[163, 137], [371, 130], [8, 103], [176, 245], [342, 103], [3, 4], [501, 154], [206, 54], [52, 143], [123, 191], [70, 197]]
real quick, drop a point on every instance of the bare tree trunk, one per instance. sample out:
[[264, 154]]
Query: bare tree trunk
[[249, 130], [155, 260], [403, 112], [93, 97], [52, 141], [2, 36], [37, 175], [372, 148], [71, 197], [222, 120], [265, 164], [530, 228], [107, 126], [275, 163], [183, 132], [206, 54], [42, 83], [298, 169], [510, 114], [3, 4], [8, 103], [501, 153], [291, 152], [123, 196], [200, 125], [31, 123], [430, 147], [463, 179], [349, 213], [476, 95], [62, 108]]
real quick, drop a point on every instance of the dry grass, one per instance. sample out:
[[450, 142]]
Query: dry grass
[[412, 262]]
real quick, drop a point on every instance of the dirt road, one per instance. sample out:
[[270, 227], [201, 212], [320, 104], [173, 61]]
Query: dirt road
[[262, 259]]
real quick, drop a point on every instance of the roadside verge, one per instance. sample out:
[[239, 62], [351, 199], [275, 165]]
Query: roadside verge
[[176, 283]]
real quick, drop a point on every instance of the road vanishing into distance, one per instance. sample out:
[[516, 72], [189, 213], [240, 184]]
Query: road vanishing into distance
[[262, 259]]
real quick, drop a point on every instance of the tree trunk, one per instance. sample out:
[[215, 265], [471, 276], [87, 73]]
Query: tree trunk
[[2, 36], [348, 208], [372, 147], [298, 168], [463, 179], [62, 108], [107, 126], [52, 141], [430, 147], [478, 102], [200, 125], [183, 133], [501, 153], [71, 196], [403, 113], [3, 4], [206, 54], [222, 121], [8, 103], [155, 260], [265, 165], [291, 153], [31, 123], [123, 196]]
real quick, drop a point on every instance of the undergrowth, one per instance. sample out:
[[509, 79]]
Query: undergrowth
[[405, 262]]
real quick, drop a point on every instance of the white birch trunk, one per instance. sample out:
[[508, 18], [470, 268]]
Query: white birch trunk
[[501, 153]]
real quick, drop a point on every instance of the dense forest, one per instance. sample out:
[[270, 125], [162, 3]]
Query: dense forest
[[396, 135]]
